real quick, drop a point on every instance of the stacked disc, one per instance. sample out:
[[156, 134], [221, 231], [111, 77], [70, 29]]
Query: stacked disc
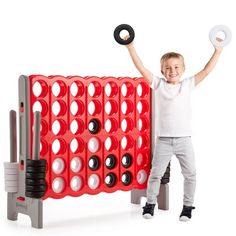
[[166, 177], [35, 184], [11, 170]]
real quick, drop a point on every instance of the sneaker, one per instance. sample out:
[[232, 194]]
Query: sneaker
[[186, 213], [148, 211]]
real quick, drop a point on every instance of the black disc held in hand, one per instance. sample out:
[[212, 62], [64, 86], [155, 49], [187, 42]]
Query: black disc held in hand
[[117, 31]]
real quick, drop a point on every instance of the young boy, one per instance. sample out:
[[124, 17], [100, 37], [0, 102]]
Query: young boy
[[173, 124]]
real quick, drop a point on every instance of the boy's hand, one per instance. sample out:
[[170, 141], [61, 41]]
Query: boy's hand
[[130, 44], [219, 49]]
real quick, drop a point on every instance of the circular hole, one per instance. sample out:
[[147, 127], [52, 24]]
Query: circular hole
[[111, 143], [142, 176], [126, 160], [94, 163], [37, 89], [76, 108], [110, 180], [111, 89], [76, 164], [142, 107], [142, 89], [127, 142], [37, 106], [93, 144], [58, 185], [127, 89], [142, 124], [94, 107], [94, 89], [142, 141], [93, 181], [76, 145], [59, 108], [111, 107], [94, 126], [76, 183], [126, 178], [110, 161], [58, 146], [56, 108], [77, 89], [124, 33], [141, 159], [58, 89], [40, 88], [127, 124], [111, 125], [77, 126], [58, 166], [59, 127], [221, 35], [74, 127], [40, 106], [127, 107]]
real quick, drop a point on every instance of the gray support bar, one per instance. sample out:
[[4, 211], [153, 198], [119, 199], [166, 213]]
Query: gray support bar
[[36, 141], [18, 202], [13, 137], [11, 208]]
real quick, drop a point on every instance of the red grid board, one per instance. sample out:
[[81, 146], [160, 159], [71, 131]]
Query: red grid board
[[67, 104]]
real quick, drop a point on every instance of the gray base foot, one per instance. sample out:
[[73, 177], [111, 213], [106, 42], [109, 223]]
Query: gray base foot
[[163, 198], [136, 195], [11, 207], [31, 207]]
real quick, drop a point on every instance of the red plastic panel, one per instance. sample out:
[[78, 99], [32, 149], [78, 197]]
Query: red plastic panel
[[117, 157]]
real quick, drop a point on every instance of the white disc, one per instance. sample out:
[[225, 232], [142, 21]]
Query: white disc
[[213, 34]]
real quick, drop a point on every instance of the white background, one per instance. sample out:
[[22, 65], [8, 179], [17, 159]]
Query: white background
[[73, 37]]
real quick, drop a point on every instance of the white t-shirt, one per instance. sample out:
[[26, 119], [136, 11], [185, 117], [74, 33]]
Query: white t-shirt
[[172, 107]]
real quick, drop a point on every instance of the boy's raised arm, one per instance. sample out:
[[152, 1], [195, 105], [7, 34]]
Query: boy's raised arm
[[209, 66], [138, 63]]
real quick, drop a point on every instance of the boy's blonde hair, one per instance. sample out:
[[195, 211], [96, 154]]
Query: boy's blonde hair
[[169, 55]]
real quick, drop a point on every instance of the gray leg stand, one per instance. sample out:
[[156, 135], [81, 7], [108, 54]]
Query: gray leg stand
[[18, 202], [31, 207], [163, 198]]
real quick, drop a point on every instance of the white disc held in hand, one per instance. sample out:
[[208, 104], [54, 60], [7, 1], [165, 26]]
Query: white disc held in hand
[[213, 35]]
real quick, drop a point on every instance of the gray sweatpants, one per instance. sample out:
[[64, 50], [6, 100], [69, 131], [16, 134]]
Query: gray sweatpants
[[165, 148]]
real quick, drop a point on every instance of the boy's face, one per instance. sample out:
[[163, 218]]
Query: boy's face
[[173, 69]]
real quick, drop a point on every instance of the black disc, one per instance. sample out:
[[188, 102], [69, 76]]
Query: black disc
[[34, 194], [36, 163], [94, 163], [94, 126], [165, 180], [117, 31], [126, 160], [35, 188], [110, 180], [31, 169], [35, 175], [126, 178], [110, 161], [35, 182]]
